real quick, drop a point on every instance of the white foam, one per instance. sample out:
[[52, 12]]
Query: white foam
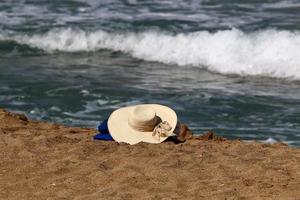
[[270, 53], [270, 141]]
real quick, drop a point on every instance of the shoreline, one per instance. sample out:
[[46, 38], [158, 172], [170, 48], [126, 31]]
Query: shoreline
[[40, 160]]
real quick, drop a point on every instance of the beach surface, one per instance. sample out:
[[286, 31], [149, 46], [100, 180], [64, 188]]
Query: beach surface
[[40, 160]]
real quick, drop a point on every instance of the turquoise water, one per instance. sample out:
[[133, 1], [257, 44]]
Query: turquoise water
[[230, 67]]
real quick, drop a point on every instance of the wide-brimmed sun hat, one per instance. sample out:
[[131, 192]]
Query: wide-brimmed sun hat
[[152, 123]]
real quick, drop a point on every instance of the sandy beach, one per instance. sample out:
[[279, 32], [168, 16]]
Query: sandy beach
[[40, 160]]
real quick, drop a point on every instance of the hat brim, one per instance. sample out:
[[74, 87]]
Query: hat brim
[[121, 131]]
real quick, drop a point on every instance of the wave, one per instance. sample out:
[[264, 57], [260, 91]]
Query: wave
[[270, 53]]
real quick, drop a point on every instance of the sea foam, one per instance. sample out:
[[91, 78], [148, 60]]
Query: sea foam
[[270, 53]]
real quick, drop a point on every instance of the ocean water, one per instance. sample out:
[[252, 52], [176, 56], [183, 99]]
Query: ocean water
[[228, 66]]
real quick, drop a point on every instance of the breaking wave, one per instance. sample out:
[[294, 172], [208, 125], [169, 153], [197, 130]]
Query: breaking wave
[[270, 53]]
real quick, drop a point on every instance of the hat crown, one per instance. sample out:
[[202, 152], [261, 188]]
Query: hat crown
[[143, 118]]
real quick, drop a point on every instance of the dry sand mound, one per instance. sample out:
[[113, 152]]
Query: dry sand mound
[[44, 161]]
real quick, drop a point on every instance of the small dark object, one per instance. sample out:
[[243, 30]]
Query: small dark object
[[22, 117], [184, 133]]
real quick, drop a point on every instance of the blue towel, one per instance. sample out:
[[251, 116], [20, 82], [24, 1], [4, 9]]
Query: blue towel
[[103, 128], [104, 132], [103, 136]]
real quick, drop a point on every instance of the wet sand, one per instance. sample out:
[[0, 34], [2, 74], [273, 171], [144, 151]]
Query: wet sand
[[40, 160]]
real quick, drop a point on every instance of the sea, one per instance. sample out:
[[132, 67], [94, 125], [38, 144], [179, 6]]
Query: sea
[[231, 66]]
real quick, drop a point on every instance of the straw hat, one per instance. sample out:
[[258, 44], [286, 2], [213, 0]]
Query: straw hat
[[150, 123]]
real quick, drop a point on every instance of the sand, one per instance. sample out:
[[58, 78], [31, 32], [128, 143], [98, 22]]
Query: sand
[[39, 160]]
